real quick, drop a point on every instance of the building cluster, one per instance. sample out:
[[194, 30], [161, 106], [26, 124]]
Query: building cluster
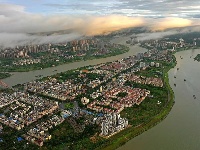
[[68, 89], [55, 89], [25, 109], [76, 45], [22, 62], [112, 124], [171, 44], [143, 80], [108, 105], [164, 55], [39, 133], [120, 65], [6, 99], [24, 51]]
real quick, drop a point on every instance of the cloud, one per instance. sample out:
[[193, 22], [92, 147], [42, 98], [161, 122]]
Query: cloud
[[18, 39], [165, 23], [106, 24], [164, 33], [154, 35], [13, 18], [16, 24]]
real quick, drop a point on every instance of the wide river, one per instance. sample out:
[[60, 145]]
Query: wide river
[[181, 129]]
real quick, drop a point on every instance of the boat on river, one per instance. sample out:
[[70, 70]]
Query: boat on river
[[38, 76]]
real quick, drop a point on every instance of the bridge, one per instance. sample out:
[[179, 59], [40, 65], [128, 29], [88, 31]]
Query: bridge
[[3, 84]]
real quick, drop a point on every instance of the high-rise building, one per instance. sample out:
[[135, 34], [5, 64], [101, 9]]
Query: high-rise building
[[112, 123]]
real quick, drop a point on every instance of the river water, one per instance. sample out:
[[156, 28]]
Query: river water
[[181, 129]]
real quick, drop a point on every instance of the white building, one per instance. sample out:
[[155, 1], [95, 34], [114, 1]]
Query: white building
[[142, 64], [85, 100], [152, 64], [157, 65], [113, 123]]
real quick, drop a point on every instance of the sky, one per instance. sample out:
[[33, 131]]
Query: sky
[[18, 18], [147, 8]]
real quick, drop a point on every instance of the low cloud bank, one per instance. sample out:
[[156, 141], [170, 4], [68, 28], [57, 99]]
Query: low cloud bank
[[16, 24]]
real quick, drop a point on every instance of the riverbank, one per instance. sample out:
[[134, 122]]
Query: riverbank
[[4, 75], [197, 58], [182, 123]]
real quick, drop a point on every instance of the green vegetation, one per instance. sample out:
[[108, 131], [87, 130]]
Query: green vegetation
[[69, 105], [197, 58], [150, 72], [4, 75], [122, 94]]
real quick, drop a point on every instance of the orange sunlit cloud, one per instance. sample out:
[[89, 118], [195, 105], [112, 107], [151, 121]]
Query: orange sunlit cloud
[[107, 24], [171, 23]]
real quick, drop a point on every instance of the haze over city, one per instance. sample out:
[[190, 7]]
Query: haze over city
[[81, 18]]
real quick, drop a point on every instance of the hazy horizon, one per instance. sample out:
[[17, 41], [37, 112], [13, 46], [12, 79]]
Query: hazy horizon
[[86, 18]]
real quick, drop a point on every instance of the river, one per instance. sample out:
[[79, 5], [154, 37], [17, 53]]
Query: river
[[23, 77], [181, 129]]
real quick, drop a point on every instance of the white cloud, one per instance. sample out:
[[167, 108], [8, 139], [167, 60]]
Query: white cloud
[[15, 22]]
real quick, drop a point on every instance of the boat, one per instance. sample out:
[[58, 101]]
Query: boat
[[38, 76]]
